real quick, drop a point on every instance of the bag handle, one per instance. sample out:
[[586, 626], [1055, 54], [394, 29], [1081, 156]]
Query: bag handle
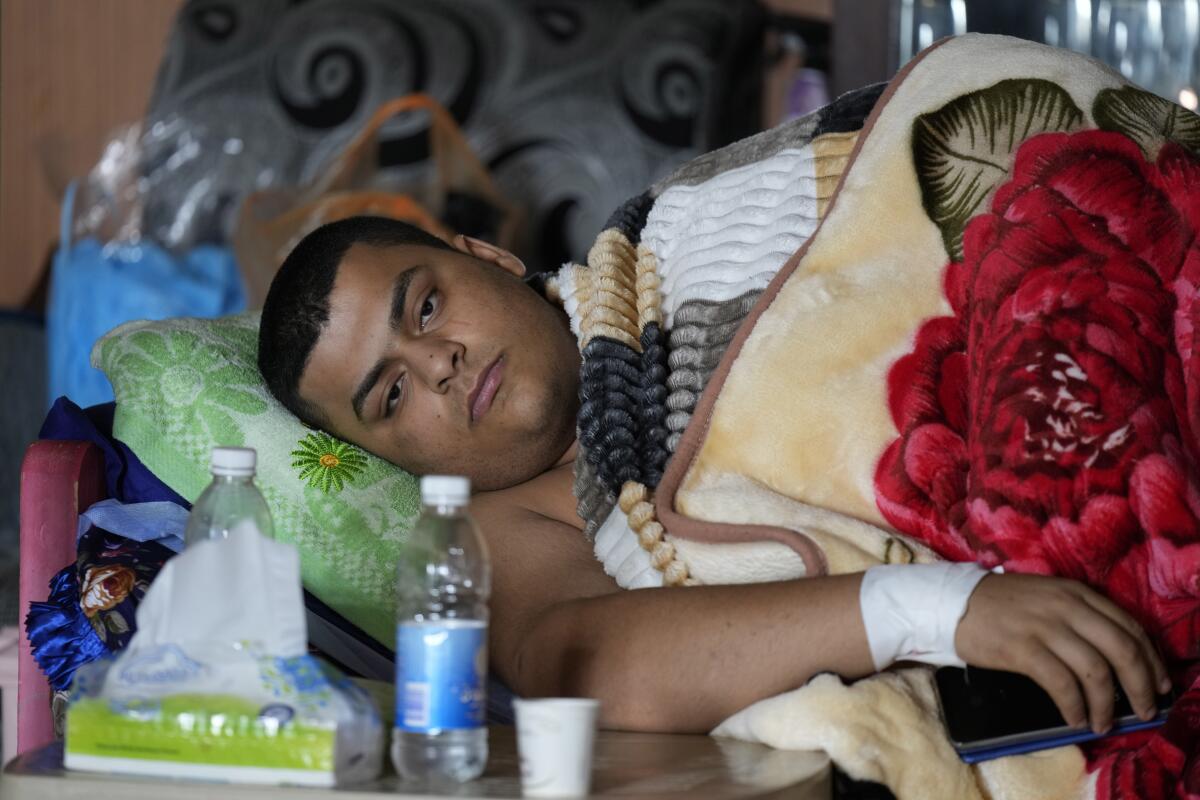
[[360, 154]]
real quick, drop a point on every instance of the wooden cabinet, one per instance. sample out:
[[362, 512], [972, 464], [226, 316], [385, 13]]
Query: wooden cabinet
[[71, 71]]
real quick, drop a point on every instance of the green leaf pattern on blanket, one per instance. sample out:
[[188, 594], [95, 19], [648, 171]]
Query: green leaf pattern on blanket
[[964, 150], [1148, 119], [184, 385]]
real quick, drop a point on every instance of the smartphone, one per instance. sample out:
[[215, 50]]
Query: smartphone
[[992, 713]]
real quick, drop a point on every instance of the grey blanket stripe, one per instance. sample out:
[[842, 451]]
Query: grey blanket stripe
[[701, 332], [593, 502]]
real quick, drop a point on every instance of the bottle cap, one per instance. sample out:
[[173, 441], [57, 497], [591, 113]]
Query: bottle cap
[[238, 461], [453, 490]]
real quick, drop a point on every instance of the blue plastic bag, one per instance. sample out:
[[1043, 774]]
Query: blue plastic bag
[[96, 286]]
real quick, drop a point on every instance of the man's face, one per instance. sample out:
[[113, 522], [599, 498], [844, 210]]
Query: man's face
[[444, 362]]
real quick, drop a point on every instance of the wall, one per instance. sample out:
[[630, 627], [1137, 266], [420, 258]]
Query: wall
[[863, 43], [71, 71]]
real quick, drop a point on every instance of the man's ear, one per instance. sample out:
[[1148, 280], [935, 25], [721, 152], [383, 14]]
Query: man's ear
[[490, 253]]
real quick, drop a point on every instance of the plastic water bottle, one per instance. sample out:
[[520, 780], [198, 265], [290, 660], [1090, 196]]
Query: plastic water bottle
[[232, 503], [443, 583]]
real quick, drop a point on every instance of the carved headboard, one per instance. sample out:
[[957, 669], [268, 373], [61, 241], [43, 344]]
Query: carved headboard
[[573, 105]]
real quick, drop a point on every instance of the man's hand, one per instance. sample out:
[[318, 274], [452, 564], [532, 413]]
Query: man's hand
[[1066, 637]]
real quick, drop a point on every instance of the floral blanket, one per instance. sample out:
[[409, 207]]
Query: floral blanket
[[986, 350]]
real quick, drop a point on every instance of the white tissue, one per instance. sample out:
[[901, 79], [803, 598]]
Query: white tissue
[[243, 591]]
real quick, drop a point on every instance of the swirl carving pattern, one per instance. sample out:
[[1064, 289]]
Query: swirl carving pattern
[[574, 106]]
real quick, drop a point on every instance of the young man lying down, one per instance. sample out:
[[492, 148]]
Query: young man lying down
[[809, 393]]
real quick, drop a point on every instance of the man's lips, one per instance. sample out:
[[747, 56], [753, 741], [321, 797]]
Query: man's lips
[[484, 391]]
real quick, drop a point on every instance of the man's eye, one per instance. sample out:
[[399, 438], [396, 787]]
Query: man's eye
[[428, 308], [393, 396]]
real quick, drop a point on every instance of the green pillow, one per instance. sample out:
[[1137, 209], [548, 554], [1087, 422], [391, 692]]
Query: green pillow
[[185, 385]]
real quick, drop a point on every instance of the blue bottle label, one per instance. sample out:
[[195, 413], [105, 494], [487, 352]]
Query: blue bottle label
[[441, 671]]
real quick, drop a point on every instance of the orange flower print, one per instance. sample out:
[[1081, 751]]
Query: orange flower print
[[104, 587]]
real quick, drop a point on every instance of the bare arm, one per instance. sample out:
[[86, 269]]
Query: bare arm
[[684, 659], [675, 659]]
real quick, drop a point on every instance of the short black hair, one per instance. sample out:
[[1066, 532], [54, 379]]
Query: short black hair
[[297, 304]]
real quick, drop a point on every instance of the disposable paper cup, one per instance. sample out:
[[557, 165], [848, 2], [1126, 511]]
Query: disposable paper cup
[[554, 738]]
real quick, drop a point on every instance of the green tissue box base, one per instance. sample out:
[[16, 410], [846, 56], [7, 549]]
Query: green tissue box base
[[209, 737]]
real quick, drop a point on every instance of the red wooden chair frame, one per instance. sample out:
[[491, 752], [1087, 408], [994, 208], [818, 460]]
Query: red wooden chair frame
[[58, 481]]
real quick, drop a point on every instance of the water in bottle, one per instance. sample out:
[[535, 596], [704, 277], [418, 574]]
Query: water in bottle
[[232, 504], [443, 582]]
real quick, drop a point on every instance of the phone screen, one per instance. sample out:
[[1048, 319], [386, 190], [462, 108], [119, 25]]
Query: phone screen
[[988, 708]]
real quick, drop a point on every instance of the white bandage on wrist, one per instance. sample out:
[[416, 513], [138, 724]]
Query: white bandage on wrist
[[911, 611]]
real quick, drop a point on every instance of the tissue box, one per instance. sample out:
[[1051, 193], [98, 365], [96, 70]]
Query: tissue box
[[235, 717], [216, 683]]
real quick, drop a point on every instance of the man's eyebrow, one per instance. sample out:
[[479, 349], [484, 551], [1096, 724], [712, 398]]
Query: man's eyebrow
[[400, 296], [395, 320], [364, 388]]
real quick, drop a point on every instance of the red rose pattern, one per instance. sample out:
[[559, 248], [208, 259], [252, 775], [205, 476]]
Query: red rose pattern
[[1154, 764], [1048, 426]]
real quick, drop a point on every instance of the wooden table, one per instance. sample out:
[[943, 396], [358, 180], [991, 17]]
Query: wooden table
[[625, 765]]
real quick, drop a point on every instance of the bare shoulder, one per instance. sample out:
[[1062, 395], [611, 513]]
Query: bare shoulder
[[547, 496], [533, 528], [540, 556]]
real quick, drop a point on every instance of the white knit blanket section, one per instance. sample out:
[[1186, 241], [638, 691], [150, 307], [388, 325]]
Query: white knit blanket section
[[623, 557], [721, 238], [563, 283]]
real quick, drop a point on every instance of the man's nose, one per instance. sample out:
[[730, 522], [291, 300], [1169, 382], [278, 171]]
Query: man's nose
[[437, 364]]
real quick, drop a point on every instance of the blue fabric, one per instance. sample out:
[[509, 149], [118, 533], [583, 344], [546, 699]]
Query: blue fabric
[[95, 286], [127, 478], [93, 603], [61, 638], [158, 521]]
